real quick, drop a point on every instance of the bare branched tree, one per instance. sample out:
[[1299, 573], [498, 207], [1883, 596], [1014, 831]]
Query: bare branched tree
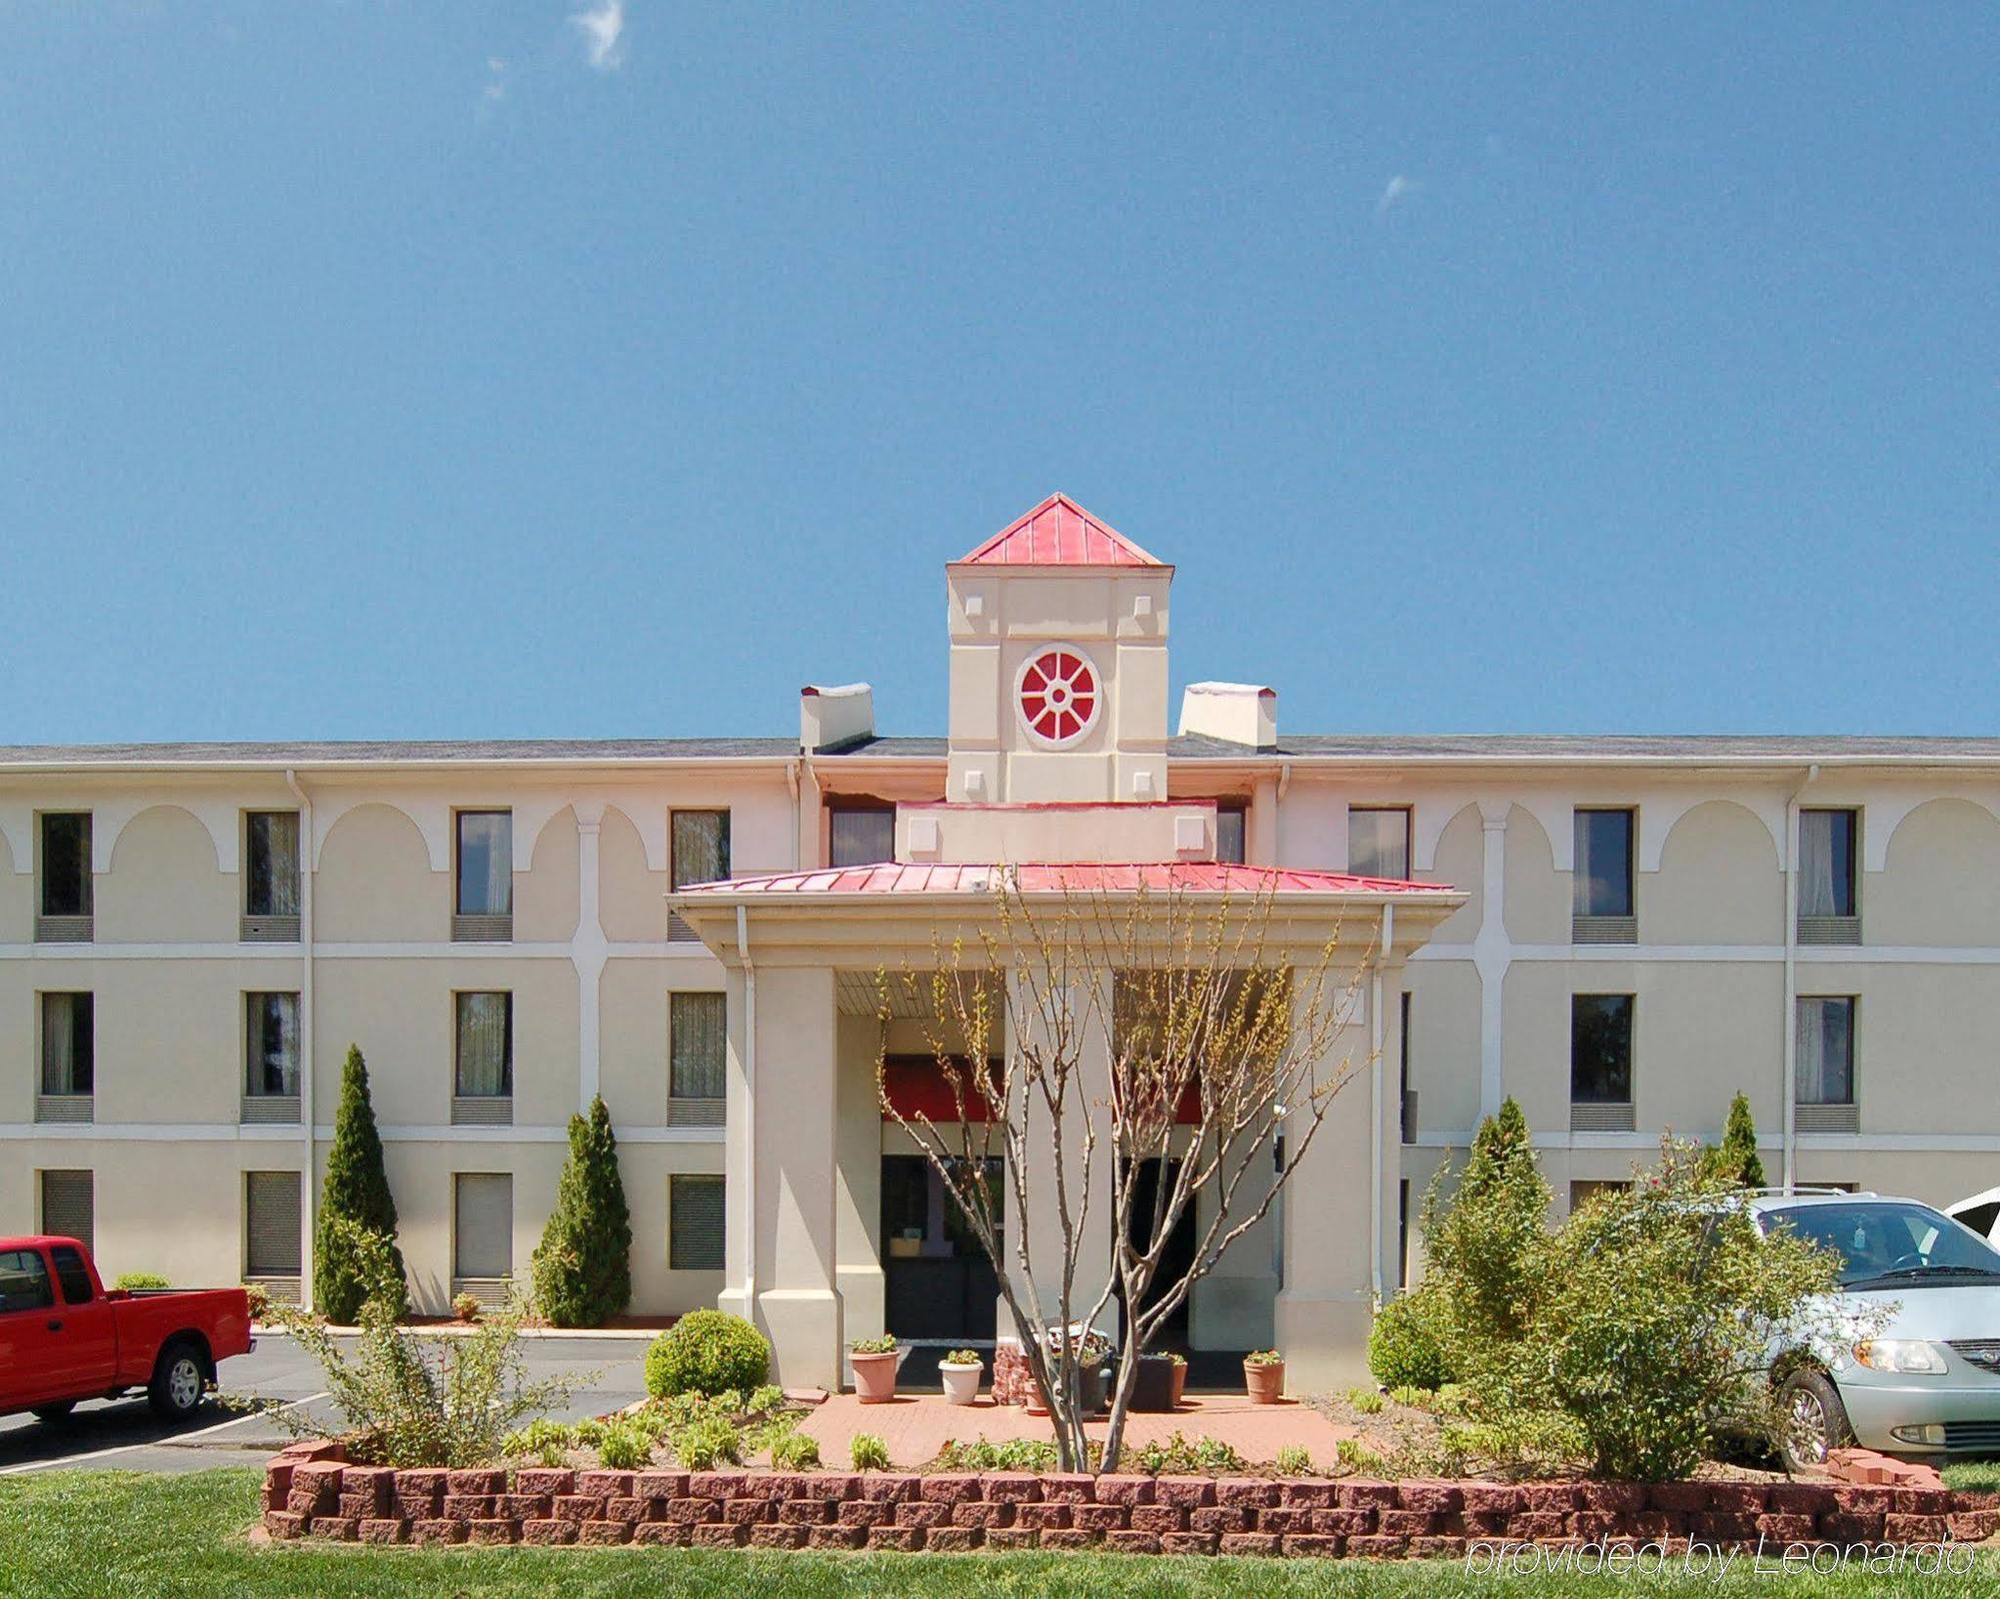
[[1176, 1039]]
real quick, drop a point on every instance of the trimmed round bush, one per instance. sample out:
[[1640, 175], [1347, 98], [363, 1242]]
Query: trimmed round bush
[[1403, 1348], [707, 1352]]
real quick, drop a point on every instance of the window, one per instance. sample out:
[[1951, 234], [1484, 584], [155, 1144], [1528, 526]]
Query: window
[[1231, 829], [697, 1048], [485, 1051], [1403, 1061], [271, 1220], [1378, 842], [72, 1274], [1603, 885], [483, 903], [1600, 1049], [482, 1226], [1829, 887], [24, 1281], [69, 1205], [697, 852], [1825, 1051], [271, 875], [270, 1046], [860, 835], [694, 1223], [65, 901], [69, 1052]]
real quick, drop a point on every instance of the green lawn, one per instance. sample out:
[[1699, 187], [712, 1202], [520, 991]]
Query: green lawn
[[1974, 1476], [127, 1536]]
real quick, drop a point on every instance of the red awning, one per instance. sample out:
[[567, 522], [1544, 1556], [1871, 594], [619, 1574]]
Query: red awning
[[1198, 877]]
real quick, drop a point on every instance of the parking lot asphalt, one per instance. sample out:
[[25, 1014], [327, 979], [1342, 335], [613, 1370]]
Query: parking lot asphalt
[[124, 1434]]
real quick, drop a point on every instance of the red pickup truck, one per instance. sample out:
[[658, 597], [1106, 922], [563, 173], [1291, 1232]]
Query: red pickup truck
[[65, 1337]]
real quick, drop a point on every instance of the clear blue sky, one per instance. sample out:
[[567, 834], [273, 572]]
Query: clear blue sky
[[461, 370]]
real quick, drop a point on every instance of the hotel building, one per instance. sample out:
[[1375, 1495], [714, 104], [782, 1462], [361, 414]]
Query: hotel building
[[1620, 932]]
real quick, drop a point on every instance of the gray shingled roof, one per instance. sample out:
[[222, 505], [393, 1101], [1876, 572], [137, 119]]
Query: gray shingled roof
[[363, 752], [1720, 747], [1723, 749]]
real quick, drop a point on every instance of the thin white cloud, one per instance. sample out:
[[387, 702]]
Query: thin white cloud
[[603, 28], [1399, 189], [496, 80]]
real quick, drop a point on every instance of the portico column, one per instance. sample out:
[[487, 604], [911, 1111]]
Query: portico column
[[1324, 1311], [1044, 1221], [782, 1263]]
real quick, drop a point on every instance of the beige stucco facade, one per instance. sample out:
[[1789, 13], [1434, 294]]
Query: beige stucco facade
[[1713, 965]]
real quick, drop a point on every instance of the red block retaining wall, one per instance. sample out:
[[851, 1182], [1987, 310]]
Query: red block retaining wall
[[309, 1491]]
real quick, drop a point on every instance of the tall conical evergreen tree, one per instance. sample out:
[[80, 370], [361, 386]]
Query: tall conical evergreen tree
[[356, 1191], [1737, 1158], [1482, 1239], [583, 1265]]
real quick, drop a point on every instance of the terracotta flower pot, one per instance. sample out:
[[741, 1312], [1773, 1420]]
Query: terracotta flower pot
[[1266, 1382], [875, 1376], [1179, 1382], [961, 1383]]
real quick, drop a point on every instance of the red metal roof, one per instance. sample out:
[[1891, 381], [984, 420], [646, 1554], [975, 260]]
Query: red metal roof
[[1200, 877], [1059, 532]]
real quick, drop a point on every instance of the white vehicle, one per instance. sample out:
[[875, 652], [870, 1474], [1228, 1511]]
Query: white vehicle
[[1979, 1214], [1926, 1380]]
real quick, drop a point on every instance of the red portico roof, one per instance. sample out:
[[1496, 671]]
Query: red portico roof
[[1197, 877], [1059, 532]]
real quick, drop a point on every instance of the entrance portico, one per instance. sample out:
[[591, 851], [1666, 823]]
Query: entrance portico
[[1056, 784]]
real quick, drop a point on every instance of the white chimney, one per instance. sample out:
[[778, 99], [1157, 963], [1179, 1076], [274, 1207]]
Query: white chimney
[[1236, 713], [830, 717]]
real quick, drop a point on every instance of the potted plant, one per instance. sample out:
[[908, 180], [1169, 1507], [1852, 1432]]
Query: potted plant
[[961, 1370], [1153, 1385], [1179, 1378], [1264, 1376], [874, 1361], [1093, 1381]]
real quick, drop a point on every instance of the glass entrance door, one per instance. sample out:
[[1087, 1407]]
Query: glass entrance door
[[938, 1282]]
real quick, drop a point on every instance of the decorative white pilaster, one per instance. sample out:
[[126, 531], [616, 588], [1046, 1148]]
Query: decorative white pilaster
[[1492, 954], [588, 950]]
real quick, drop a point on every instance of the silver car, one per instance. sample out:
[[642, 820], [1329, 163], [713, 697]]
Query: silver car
[[1922, 1374]]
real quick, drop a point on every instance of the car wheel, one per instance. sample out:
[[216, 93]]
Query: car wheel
[[179, 1382], [1813, 1418], [54, 1415]]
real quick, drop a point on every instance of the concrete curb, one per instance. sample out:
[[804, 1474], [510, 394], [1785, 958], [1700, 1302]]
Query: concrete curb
[[460, 1330]]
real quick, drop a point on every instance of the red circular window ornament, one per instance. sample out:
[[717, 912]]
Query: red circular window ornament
[[1058, 695]]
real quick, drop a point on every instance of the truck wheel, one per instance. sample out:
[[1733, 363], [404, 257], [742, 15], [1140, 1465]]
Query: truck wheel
[[1813, 1418], [179, 1382], [54, 1415]]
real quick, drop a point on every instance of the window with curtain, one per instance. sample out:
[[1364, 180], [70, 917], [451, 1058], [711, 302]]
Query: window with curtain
[[700, 847], [1231, 833], [1600, 1049], [697, 1045], [1603, 876], [694, 1223], [482, 1225], [1378, 841], [860, 835], [485, 1047], [697, 852], [271, 1221], [271, 1045], [486, 863], [271, 875], [1826, 863], [1825, 1050], [69, 1057], [66, 883]]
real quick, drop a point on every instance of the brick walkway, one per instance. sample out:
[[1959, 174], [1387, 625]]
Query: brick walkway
[[916, 1427]]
